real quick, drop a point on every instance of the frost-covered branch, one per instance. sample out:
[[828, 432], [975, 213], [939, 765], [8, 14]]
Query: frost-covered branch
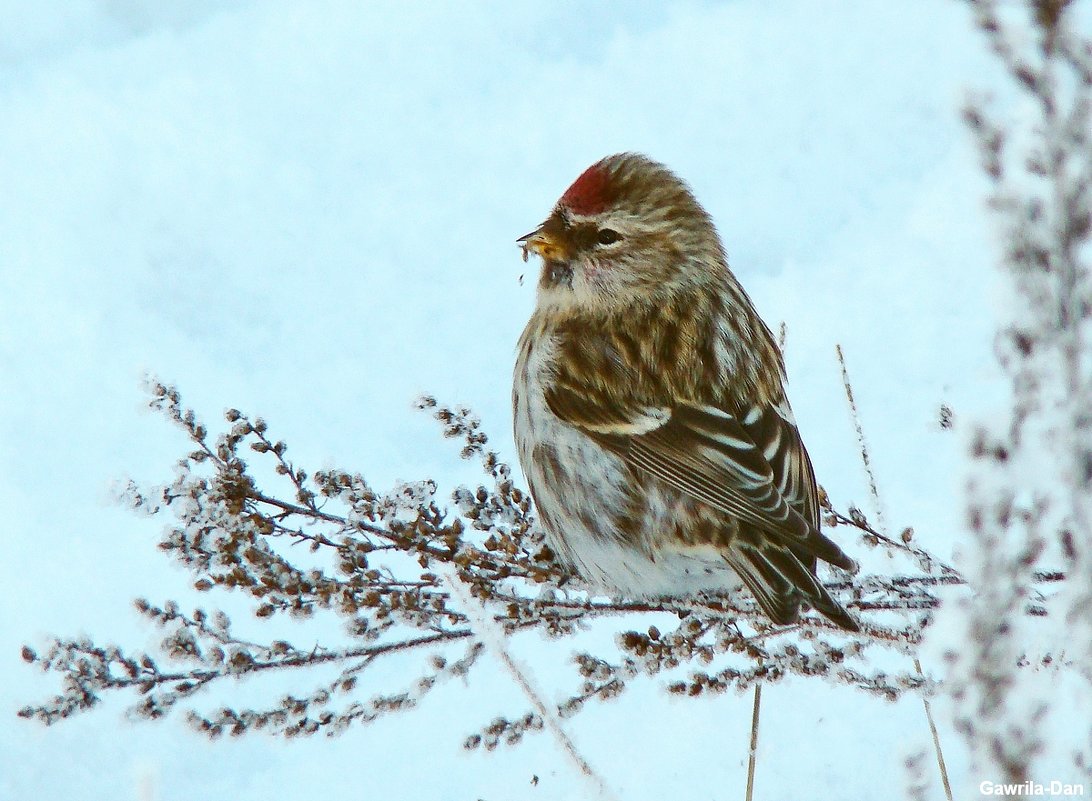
[[375, 560], [1030, 492]]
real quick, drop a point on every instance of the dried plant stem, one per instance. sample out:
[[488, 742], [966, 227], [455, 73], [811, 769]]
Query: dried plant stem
[[232, 535], [873, 487], [936, 739], [753, 751], [862, 443], [494, 638]]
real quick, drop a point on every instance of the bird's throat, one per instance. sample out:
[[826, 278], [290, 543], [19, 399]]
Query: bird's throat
[[557, 274]]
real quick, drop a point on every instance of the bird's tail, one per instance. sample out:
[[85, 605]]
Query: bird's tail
[[780, 581]]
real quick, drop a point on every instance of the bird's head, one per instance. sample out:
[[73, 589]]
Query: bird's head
[[627, 231]]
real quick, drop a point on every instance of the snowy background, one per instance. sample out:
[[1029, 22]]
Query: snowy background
[[309, 211]]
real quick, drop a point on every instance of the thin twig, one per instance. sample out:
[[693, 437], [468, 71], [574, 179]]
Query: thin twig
[[753, 752], [873, 487], [924, 557], [866, 457], [495, 638], [936, 738]]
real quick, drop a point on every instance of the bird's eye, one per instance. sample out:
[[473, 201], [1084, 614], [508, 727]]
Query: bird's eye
[[607, 236]]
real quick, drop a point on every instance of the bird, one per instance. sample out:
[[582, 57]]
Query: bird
[[649, 406]]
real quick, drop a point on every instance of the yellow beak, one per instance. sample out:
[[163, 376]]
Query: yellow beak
[[543, 244]]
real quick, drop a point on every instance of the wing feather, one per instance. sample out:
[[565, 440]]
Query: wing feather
[[751, 466], [706, 453]]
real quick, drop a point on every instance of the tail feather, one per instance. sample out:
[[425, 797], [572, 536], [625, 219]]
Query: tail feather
[[774, 594], [779, 582]]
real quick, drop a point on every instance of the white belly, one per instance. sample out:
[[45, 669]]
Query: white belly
[[579, 488]]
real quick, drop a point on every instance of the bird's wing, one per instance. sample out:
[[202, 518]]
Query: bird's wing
[[751, 466], [709, 454], [773, 430]]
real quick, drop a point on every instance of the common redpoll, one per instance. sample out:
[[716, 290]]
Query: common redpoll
[[650, 411]]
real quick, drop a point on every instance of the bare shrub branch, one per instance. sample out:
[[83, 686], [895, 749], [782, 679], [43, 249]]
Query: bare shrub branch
[[374, 560], [1030, 492]]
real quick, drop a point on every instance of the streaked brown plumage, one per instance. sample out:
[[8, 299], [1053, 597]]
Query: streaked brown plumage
[[650, 411]]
